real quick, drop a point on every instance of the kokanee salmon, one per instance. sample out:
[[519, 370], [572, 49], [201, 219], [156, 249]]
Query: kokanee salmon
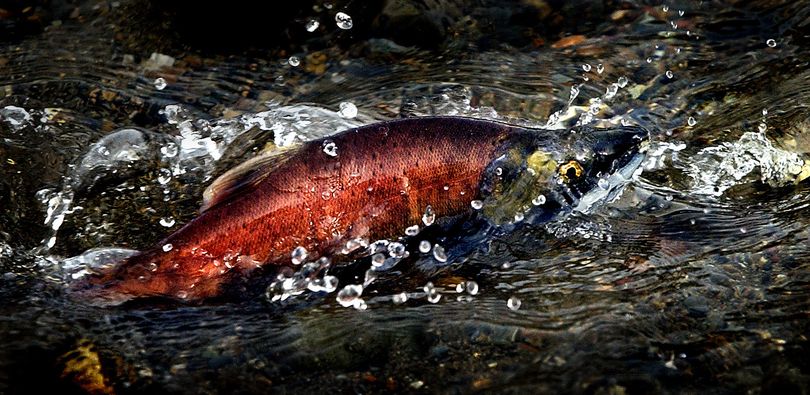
[[371, 183]]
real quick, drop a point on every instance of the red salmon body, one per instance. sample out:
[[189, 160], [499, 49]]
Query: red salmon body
[[370, 182]]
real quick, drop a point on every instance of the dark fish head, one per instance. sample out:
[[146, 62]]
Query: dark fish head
[[552, 174]]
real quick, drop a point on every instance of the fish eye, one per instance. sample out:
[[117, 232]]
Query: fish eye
[[570, 171]]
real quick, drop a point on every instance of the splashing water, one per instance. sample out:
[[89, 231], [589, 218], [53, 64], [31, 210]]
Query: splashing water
[[753, 157]]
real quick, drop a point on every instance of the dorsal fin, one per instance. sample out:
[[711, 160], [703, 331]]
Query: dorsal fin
[[246, 176]]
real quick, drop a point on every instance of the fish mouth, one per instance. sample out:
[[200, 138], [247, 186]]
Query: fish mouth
[[611, 187]]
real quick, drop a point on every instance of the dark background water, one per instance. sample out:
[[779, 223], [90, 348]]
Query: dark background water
[[696, 280]]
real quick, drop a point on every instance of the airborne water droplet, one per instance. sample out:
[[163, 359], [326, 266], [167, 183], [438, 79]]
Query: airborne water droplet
[[424, 246], [400, 298], [429, 216], [299, 255], [167, 247], [312, 25], [539, 200], [513, 303], [164, 176], [612, 89], [350, 295], [771, 43], [397, 250], [762, 127], [586, 67], [472, 287], [412, 230], [330, 148], [669, 74], [344, 21], [691, 121], [600, 68], [439, 254], [347, 110], [167, 222], [160, 83], [622, 81], [294, 61], [477, 204], [377, 259]]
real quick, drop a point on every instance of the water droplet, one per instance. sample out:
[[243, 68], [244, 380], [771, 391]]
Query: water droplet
[[764, 112], [649, 60], [586, 67], [439, 254], [459, 287], [312, 25], [762, 127], [446, 187], [397, 250], [539, 200], [471, 287], [182, 294], [347, 110], [429, 216], [771, 43], [377, 259], [612, 89], [674, 24], [622, 81], [344, 21], [691, 121], [400, 298], [603, 183], [350, 295], [412, 230], [167, 247], [330, 148], [432, 293], [299, 255], [424, 246], [294, 61], [600, 68], [498, 171], [164, 176], [477, 204], [743, 230], [665, 8], [169, 150], [680, 12], [625, 122], [519, 216], [160, 83], [669, 74], [167, 222], [513, 303]]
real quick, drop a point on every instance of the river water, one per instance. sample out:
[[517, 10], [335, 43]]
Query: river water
[[115, 116]]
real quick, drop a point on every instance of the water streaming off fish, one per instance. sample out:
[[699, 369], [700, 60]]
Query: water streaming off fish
[[683, 270]]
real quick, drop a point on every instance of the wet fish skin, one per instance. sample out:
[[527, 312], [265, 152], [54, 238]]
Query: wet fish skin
[[380, 182]]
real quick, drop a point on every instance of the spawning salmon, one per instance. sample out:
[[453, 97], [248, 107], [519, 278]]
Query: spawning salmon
[[371, 183]]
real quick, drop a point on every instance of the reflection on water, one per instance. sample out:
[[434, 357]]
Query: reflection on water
[[694, 279]]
